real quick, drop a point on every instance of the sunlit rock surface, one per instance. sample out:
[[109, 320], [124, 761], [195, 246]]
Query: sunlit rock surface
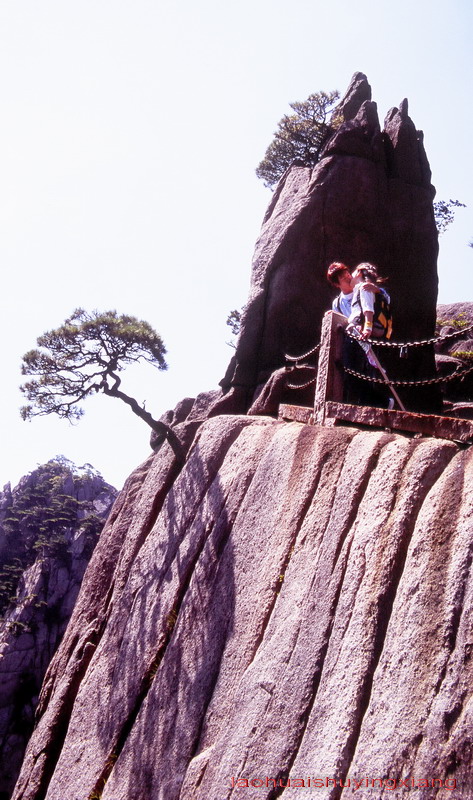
[[294, 601]]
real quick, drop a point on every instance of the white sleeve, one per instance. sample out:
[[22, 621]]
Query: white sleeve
[[367, 300]]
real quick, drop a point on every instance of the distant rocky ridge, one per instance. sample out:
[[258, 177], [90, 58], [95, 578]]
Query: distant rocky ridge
[[454, 352], [49, 526]]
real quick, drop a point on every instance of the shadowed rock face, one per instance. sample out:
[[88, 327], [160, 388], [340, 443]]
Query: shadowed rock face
[[368, 199], [454, 351], [32, 626], [293, 602]]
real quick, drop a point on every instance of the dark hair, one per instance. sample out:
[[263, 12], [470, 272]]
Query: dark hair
[[334, 271], [369, 272]]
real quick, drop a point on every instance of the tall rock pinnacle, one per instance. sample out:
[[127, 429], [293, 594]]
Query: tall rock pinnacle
[[369, 198], [358, 91]]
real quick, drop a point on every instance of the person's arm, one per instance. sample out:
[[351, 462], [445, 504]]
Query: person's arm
[[370, 287], [368, 325], [367, 305]]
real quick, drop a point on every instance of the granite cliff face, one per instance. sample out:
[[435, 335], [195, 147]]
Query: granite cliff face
[[49, 525], [294, 602]]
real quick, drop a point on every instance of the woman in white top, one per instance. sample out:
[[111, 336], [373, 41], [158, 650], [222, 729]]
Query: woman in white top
[[362, 315]]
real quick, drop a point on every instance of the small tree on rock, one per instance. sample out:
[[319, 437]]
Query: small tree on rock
[[300, 136], [234, 323], [444, 213], [83, 357]]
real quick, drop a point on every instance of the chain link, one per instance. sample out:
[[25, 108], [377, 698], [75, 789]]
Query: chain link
[[384, 343], [306, 355], [302, 386], [459, 373], [422, 343], [429, 382]]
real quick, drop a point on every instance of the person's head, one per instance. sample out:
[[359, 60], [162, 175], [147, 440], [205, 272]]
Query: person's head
[[339, 276], [366, 272]]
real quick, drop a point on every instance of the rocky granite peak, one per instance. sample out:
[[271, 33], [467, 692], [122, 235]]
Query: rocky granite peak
[[358, 91], [369, 198]]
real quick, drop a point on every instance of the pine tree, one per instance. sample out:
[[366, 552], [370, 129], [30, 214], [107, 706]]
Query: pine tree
[[300, 137], [43, 511], [84, 356]]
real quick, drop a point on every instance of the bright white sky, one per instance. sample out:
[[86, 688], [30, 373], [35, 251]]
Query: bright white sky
[[130, 133]]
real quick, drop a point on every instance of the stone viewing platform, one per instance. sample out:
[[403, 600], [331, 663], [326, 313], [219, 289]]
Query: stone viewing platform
[[329, 408]]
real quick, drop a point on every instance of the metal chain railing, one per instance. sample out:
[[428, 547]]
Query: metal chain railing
[[422, 343], [306, 355], [384, 343], [459, 373], [302, 385]]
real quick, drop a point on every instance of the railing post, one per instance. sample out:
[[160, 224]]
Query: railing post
[[330, 373]]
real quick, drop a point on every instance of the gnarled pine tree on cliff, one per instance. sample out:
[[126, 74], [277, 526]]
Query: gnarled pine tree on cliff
[[84, 356]]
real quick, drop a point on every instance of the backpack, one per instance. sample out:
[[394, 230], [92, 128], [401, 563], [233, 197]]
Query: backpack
[[382, 317]]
